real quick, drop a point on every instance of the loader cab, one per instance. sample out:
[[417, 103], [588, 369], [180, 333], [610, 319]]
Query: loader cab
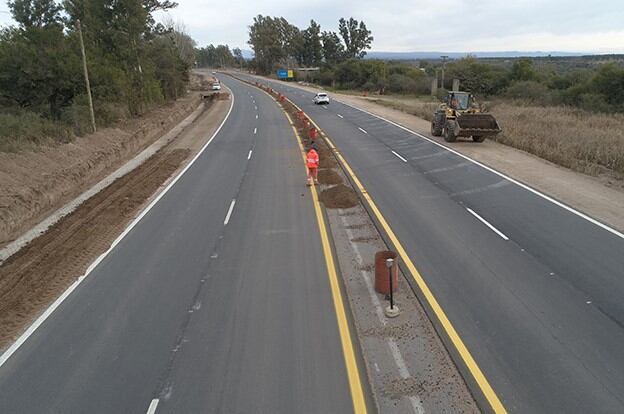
[[459, 100]]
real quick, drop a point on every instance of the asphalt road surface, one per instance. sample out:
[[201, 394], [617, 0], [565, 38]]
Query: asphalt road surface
[[217, 301], [534, 290]]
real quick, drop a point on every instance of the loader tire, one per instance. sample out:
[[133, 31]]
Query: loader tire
[[436, 130], [449, 132], [478, 138]]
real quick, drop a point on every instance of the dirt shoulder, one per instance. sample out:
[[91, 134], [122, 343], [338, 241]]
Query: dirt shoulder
[[37, 274], [600, 198], [33, 184]]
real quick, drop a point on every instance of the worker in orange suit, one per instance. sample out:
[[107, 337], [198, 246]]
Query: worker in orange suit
[[312, 162]]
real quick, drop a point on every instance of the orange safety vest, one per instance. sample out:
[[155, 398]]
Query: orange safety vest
[[312, 159]]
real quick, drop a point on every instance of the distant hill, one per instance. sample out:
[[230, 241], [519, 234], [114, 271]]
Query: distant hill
[[249, 54], [459, 55]]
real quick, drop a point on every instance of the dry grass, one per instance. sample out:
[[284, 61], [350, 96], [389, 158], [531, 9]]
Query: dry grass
[[414, 106], [583, 141]]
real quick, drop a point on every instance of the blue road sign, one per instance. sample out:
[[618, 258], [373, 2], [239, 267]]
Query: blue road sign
[[282, 73]]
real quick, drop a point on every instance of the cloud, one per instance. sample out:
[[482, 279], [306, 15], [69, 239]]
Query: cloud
[[450, 25], [423, 25]]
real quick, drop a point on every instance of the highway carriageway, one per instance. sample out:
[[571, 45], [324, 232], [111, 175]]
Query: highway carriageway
[[221, 296], [532, 287]]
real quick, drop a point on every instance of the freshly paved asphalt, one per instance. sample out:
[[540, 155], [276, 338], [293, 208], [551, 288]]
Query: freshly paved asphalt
[[543, 312], [204, 316]]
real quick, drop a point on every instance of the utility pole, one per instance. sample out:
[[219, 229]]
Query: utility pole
[[86, 75], [444, 58]]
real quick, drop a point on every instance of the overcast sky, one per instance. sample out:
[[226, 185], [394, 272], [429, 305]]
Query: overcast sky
[[424, 25]]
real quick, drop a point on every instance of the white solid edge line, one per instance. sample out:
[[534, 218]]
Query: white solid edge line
[[249, 155], [229, 213], [33, 327], [152, 407], [500, 174], [484, 221], [399, 156], [363, 130], [340, 116]]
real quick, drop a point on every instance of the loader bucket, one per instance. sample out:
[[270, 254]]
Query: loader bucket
[[477, 125]]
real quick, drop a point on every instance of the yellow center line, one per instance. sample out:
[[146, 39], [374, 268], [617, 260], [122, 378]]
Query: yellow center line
[[448, 327]]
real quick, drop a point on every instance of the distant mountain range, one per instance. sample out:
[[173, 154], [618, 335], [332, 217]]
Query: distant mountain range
[[459, 55], [248, 54]]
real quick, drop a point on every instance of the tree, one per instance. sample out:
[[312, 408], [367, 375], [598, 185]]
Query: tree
[[181, 41], [238, 54], [212, 56], [477, 77], [333, 50], [224, 56], [275, 42], [35, 13], [238, 57], [609, 81], [131, 60], [38, 70], [522, 70], [357, 38], [312, 47], [265, 38]]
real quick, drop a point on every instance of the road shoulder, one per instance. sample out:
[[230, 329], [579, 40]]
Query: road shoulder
[[39, 273]]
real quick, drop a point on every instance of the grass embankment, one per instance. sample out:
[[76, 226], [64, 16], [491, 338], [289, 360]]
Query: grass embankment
[[587, 142]]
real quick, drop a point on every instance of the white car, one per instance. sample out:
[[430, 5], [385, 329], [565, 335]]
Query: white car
[[321, 98], [216, 86]]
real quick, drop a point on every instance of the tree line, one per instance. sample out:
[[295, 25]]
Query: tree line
[[134, 63], [598, 87], [219, 56], [277, 43]]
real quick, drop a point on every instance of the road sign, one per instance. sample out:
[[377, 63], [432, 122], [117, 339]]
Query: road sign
[[283, 73]]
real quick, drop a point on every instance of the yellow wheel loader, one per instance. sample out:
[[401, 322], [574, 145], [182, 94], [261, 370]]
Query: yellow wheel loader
[[459, 115]]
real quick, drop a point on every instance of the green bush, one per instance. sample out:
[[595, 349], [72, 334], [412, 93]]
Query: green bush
[[26, 130], [531, 92], [78, 118], [401, 84], [594, 102]]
